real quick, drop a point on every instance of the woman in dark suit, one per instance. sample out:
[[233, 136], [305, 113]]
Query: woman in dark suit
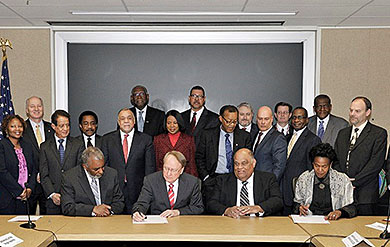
[[17, 170], [174, 138]]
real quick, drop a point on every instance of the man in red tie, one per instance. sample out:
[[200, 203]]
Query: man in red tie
[[170, 192], [131, 153]]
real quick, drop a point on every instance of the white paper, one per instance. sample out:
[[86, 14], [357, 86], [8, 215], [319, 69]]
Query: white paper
[[378, 226], [9, 240], [24, 218], [309, 219], [354, 239], [153, 219]]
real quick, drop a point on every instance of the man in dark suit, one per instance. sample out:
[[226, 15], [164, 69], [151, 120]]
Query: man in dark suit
[[169, 192], [131, 153], [149, 120], [361, 150], [37, 131], [269, 146], [88, 124], [298, 155], [58, 155], [325, 125], [245, 117], [198, 118], [282, 113], [91, 189], [245, 192], [217, 146]]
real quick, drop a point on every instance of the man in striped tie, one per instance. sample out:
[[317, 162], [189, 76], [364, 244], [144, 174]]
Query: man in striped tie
[[245, 192], [170, 192]]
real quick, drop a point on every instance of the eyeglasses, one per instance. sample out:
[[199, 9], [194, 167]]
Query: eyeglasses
[[166, 169], [282, 112], [142, 94], [196, 96], [229, 122]]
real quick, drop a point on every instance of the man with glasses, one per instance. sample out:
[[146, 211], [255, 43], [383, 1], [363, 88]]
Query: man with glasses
[[298, 158], [198, 118], [149, 120], [269, 146], [160, 191], [283, 112], [91, 189], [325, 125]]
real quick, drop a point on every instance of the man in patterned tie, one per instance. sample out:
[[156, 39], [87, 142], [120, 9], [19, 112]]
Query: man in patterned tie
[[91, 189], [246, 191], [325, 125], [170, 192]]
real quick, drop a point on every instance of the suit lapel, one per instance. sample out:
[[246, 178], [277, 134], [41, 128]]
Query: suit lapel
[[136, 137], [266, 138], [53, 146], [235, 141], [48, 130], [68, 148], [329, 128], [168, 143], [232, 186], [83, 180], [30, 134], [215, 141], [362, 135], [103, 184], [118, 143], [313, 125], [299, 142], [201, 122], [181, 190]]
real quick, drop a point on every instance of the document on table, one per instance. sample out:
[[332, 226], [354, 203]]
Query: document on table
[[153, 219], [9, 240], [355, 239], [309, 219], [378, 226], [23, 218]]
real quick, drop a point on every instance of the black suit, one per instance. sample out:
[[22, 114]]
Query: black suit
[[52, 170], [366, 160], [141, 161], [77, 198], [9, 174], [98, 140], [289, 134], [154, 195], [153, 122], [206, 155], [265, 191], [298, 162], [207, 120], [29, 136]]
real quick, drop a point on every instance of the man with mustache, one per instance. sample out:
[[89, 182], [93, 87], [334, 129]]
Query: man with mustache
[[88, 124]]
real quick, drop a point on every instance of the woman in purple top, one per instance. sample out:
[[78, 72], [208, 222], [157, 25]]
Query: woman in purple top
[[17, 169]]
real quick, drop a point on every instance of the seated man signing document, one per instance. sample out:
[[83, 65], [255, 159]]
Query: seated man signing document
[[170, 192]]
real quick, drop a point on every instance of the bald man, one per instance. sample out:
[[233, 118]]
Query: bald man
[[269, 146]]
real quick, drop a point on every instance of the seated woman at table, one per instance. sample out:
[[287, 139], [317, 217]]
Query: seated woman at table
[[324, 191], [17, 170], [174, 138]]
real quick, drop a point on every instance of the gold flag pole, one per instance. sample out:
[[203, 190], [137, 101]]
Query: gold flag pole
[[4, 43]]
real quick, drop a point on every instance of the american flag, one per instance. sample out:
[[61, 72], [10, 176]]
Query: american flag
[[6, 106]]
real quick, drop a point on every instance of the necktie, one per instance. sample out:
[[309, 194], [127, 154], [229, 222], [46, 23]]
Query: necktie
[[244, 128], [258, 141], [61, 150], [125, 147], [193, 122], [140, 121], [89, 143], [95, 191], [229, 153], [171, 196], [321, 131], [351, 145], [291, 144], [244, 196], [38, 135]]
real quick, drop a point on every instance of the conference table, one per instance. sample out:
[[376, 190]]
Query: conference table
[[199, 228]]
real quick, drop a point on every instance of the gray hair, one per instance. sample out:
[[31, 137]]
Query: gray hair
[[179, 157], [27, 100], [91, 152], [246, 104]]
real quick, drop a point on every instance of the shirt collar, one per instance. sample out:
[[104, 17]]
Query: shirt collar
[[198, 113]]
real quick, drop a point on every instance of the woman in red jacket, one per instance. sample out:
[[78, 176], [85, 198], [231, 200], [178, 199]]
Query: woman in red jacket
[[174, 138]]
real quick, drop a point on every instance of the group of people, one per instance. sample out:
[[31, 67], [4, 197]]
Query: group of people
[[194, 162]]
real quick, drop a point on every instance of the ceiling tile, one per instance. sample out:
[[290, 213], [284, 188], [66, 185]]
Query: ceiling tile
[[307, 2], [185, 4], [34, 3], [372, 11], [306, 11], [6, 13], [13, 22], [380, 2], [367, 21]]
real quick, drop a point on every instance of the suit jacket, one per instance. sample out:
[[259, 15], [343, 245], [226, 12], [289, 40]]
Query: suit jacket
[[289, 134], [366, 160], [253, 131], [207, 120], [271, 154], [333, 127], [50, 166], [98, 140], [206, 155], [154, 195], [140, 162], [265, 191], [298, 162], [154, 121], [185, 144], [77, 198], [9, 171], [29, 136]]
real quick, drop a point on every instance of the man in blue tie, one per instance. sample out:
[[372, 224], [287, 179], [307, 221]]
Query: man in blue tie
[[58, 155]]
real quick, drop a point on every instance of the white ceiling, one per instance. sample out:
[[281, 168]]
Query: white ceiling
[[310, 12]]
